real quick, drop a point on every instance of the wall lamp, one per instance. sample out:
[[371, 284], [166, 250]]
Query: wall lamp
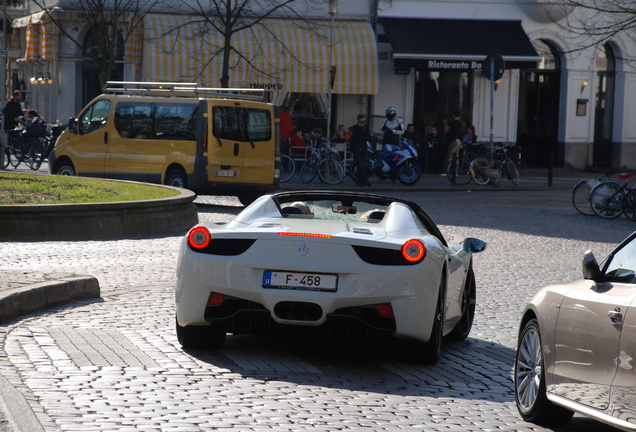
[[583, 85], [41, 78]]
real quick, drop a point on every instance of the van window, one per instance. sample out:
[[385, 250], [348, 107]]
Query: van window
[[95, 117], [242, 124], [138, 120]]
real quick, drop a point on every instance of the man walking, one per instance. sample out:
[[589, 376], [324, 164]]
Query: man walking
[[360, 134], [454, 143]]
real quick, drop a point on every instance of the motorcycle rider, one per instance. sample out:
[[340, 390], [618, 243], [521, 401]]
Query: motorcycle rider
[[392, 127]]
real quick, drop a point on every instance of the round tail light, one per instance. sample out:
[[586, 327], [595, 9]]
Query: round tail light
[[199, 237], [413, 251]]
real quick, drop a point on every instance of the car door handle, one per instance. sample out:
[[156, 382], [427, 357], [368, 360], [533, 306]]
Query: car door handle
[[615, 315]]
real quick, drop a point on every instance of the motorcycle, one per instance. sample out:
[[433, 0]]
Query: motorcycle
[[394, 162]]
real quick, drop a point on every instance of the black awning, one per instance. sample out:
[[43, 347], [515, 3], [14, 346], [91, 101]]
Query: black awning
[[457, 44]]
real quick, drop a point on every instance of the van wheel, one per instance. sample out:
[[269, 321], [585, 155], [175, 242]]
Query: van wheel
[[65, 168], [176, 177]]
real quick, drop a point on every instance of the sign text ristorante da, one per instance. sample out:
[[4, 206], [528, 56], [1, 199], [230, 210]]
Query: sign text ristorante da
[[448, 65]]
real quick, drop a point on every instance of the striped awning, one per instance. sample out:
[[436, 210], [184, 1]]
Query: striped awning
[[281, 55], [42, 36]]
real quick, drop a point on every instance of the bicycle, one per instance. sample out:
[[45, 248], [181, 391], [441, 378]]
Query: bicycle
[[607, 198], [324, 161], [490, 169], [462, 173], [582, 191]]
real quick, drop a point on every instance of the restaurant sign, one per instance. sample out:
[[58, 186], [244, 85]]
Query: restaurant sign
[[452, 65]]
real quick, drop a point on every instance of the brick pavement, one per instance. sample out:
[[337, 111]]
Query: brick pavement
[[114, 363]]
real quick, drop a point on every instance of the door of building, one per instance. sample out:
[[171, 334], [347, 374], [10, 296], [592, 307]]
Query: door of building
[[537, 121], [604, 108]]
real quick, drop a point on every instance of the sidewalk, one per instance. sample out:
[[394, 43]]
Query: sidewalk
[[530, 179]]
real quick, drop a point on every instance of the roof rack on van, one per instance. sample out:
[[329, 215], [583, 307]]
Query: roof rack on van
[[179, 89]]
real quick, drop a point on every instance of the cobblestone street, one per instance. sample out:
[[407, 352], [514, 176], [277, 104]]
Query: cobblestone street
[[115, 363]]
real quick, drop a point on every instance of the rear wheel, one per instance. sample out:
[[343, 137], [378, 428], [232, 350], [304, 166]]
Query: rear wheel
[[480, 169], [581, 198], [629, 205], [176, 177], [331, 171], [462, 175], [309, 170], [287, 168], [200, 336], [530, 387], [607, 200], [513, 172], [430, 352], [469, 301], [409, 173]]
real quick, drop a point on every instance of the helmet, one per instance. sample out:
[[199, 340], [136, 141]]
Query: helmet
[[391, 113]]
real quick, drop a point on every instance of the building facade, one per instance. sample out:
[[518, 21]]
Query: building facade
[[556, 103]]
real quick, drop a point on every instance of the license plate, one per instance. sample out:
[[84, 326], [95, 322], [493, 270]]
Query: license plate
[[225, 173], [300, 281]]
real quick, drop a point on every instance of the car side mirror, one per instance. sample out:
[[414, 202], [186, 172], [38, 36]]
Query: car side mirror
[[591, 269], [72, 125], [474, 245]]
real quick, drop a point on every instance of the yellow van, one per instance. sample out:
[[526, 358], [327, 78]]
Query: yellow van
[[212, 141]]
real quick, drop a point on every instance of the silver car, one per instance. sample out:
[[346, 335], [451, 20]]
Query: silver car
[[576, 350]]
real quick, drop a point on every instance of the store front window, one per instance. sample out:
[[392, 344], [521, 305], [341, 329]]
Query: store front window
[[438, 94]]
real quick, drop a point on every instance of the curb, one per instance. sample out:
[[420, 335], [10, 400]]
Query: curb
[[31, 298], [18, 413], [24, 300]]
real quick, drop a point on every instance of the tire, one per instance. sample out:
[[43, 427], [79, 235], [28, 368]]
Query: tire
[[5, 155], [309, 170], [529, 377], [409, 173], [200, 336], [34, 158], [629, 205], [469, 302], [581, 198], [331, 171], [495, 173], [479, 170], [606, 200], [353, 171], [287, 168], [176, 177], [431, 351], [462, 176], [512, 172], [65, 168]]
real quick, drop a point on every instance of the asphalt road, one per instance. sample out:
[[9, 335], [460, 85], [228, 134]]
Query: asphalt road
[[115, 363]]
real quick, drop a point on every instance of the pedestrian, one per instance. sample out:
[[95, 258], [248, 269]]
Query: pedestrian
[[12, 110], [454, 142], [392, 127], [360, 135], [469, 137], [431, 149], [411, 135]]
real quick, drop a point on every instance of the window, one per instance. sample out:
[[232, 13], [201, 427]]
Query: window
[[95, 117], [138, 120], [242, 124]]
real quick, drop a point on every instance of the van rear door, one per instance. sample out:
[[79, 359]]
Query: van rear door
[[241, 147]]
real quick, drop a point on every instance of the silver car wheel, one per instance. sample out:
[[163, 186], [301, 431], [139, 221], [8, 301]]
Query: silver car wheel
[[528, 371]]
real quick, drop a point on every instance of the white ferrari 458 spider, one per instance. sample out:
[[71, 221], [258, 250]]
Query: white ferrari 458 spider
[[337, 263]]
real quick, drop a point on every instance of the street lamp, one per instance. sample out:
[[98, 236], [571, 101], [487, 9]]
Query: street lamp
[[333, 10]]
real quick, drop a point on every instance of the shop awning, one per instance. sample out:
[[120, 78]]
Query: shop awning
[[282, 55], [457, 44]]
